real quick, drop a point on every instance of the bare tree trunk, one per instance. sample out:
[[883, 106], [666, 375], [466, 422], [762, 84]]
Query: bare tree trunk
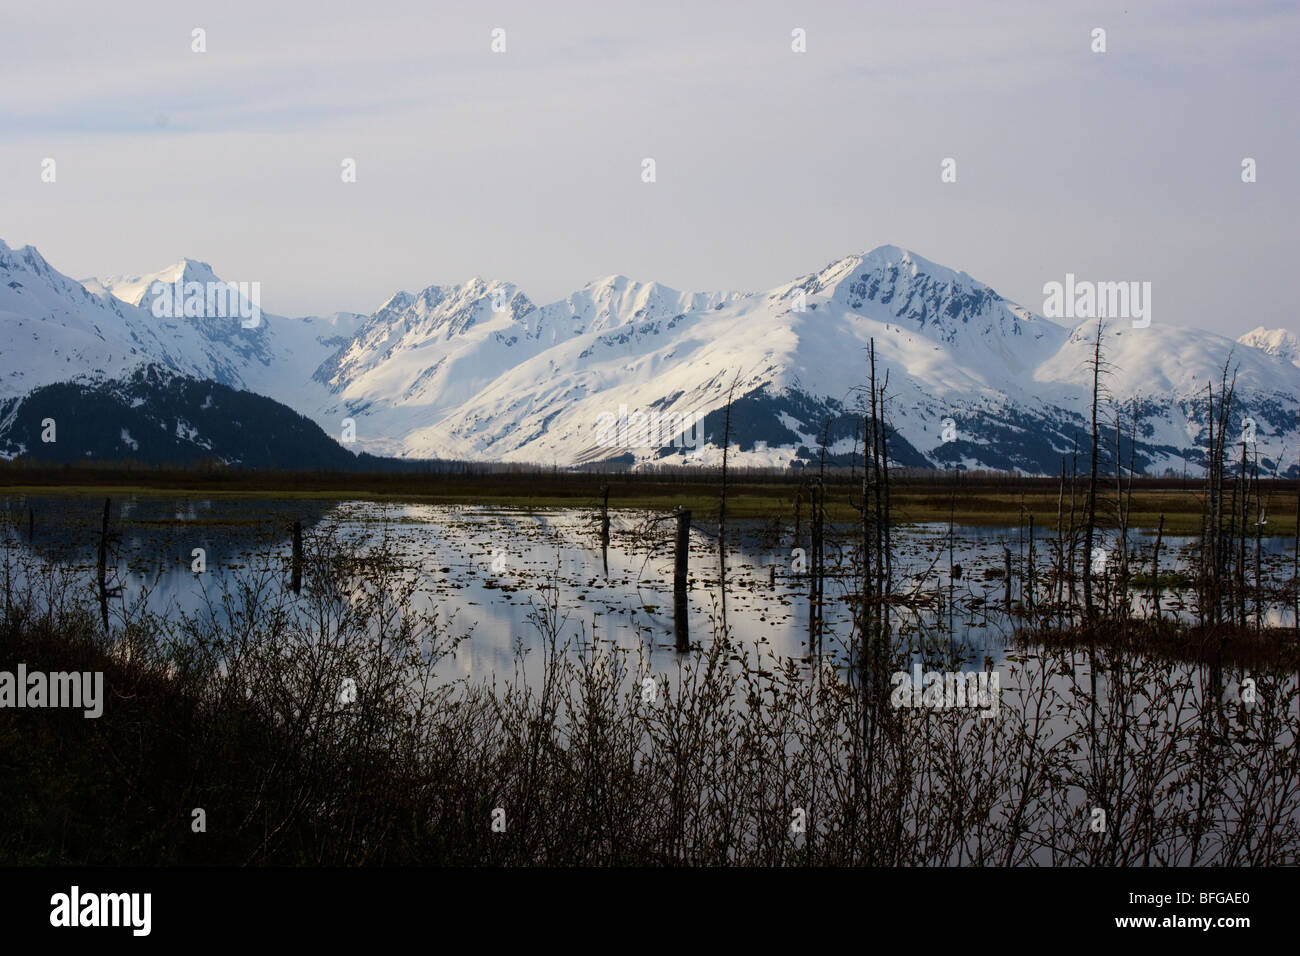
[[1060, 539], [1029, 596], [1155, 569], [681, 576], [1239, 521], [295, 566], [102, 568], [1074, 477], [1210, 523], [883, 510], [1091, 515], [722, 509], [1259, 532], [1121, 514]]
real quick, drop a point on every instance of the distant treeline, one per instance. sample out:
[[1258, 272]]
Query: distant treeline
[[399, 476]]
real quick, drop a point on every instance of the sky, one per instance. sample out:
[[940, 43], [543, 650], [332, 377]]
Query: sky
[[527, 165]]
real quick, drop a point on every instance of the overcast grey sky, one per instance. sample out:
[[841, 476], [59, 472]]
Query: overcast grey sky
[[526, 165]]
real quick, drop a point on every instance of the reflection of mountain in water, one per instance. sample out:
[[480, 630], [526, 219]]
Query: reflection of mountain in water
[[485, 569]]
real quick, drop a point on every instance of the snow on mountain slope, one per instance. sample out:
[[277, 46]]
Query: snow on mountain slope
[[136, 289], [476, 370], [270, 342], [894, 285], [616, 300], [1166, 370], [941, 335], [48, 328], [1285, 345], [54, 329], [429, 351], [547, 406], [1159, 360], [274, 357], [421, 355], [1015, 384], [419, 358]]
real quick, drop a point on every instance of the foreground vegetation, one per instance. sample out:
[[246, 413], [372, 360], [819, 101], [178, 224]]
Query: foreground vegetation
[[240, 710]]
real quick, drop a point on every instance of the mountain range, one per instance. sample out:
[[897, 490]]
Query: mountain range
[[477, 371]]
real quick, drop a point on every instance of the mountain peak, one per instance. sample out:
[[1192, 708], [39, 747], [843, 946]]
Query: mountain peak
[[29, 255], [913, 263], [615, 280], [190, 270], [1280, 342], [396, 302], [135, 289], [889, 274]]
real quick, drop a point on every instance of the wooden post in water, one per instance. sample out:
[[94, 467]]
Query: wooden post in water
[[604, 517], [821, 559], [102, 575], [296, 582], [31, 524], [1006, 559], [812, 577], [604, 529], [1155, 569], [8, 582], [815, 575], [681, 569], [1029, 602]]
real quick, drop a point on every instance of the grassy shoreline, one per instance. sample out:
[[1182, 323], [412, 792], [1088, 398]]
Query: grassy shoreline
[[966, 499]]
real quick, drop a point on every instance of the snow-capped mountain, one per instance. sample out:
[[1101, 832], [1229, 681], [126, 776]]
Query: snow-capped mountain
[[1285, 345], [137, 290], [478, 371], [54, 329]]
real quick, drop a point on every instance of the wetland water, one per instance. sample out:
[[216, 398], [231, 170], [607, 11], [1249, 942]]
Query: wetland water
[[1170, 746], [484, 569]]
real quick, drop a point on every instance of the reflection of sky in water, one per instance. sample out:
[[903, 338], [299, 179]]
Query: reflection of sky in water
[[452, 550]]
